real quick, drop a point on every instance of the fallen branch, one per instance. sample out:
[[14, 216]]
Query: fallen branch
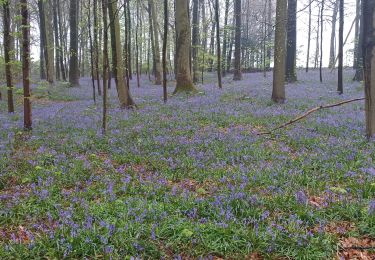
[[298, 118]]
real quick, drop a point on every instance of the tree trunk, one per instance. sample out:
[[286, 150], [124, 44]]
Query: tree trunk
[[7, 55], [332, 54], [126, 100], [218, 44], [26, 64], [184, 81], [165, 93], [291, 75], [105, 64], [321, 43], [43, 39], [368, 22], [340, 88], [158, 80], [356, 34], [224, 53], [317, 49], [96, 47], [237, 46], [359, 68], [278, 92], [195, 40], [73, 62], [57, 44], [62, 45], [309, 38]]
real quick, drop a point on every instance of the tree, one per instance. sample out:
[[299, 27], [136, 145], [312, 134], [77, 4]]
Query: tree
[[359, 54], [278, 92], [332, 56], [26, 64], [165, 93], [341, 48], [237, 46], [195, 41], [105, 63], [291, 75], [218, 50], [224, 53], [368, 13], [184, 80], [321, 43], [124, 96], [156, 49], [309, 38], [73, 62], [7, 55]]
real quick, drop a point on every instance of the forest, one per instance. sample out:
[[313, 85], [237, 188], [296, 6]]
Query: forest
[[187, 129]]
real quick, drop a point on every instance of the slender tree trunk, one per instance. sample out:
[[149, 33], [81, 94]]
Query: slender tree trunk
[[309, 39], [225, 43], [340, 87], [184, 80], [43, 40], [291, 75], [26, 64], [317, 50], [278, 92], [96, 47], [356, 34], [57, 44], [218, 44], [50, 61], [91, 53], [321, 43], [332, 55], [61, 49], [73, 62], [359, 68], [195, 40], [269, 34], [158, 80], [237, 46], [137, 46], [105, 63], [7, 55], [165, 93]]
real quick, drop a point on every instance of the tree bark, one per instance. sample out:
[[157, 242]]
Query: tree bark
[[291, 75], [73, 62], [332, 55], [368, 22], [26, 64], [309, 38], [340, 88], [158, 80], [321, 43], [165, 93], [278, 92], [237, 46], [218, 44], [124, 96], [195, 40], [7, 55], [184, 80]]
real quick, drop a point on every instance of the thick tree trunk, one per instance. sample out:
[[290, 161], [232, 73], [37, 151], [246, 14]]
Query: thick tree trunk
[[7, 55], [368, 22], [357, 59], [291, 75], [184, 81], [124, 96], [26, 64], [73, 62], [340, 88], [237, 46], [278, 92]]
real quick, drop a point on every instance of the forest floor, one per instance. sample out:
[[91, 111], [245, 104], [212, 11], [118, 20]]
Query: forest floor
[[191, 178]]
